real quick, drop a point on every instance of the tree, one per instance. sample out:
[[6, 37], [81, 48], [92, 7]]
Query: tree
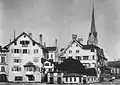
[[71, 65]]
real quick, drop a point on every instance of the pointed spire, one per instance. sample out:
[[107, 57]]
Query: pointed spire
[[93, 19]]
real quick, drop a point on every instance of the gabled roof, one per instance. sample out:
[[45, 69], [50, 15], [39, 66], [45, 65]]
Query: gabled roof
[[71, 75], [7, 46], [80, 44], [72, 41], [3, 50], [53, 48], [91, 72]]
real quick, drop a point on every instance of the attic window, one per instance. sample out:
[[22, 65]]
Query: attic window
[[33, 43], [15, 43], [24, 36]]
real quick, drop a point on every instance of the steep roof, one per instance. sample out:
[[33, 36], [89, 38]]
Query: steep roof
[[71, 75], [115, 64], [3, 50], [7, 46], [91, 72], [79, 44], [29, 64]]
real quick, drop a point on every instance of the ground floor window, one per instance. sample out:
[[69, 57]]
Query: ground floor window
[[18, 78], [31, 78]]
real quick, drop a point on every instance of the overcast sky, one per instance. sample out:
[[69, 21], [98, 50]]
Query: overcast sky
[[60, 19]]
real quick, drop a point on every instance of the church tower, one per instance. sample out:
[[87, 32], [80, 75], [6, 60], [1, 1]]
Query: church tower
[[92, 39]]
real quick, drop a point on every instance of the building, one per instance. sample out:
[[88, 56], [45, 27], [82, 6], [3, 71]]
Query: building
[[72, 78], [55, 77], [90, 55], [3, 65], [114, 68], [24, 59]]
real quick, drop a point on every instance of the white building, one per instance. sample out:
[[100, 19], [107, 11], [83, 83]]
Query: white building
[[89, 55], [24, 59], [3, 65]]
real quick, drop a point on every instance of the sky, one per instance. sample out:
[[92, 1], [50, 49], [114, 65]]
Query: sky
[[60, 19]]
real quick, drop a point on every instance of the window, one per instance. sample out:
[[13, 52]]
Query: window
[[16, 68], [70, 51], [70, 79], [2, 59], [18, 78], [66, 79], [74, 79], [51, 74], [50, 64], [50, 69], [93, 57], [33, 43], [46, 64], [2, 69], [15, 43], [25, 43], [17, 60], [92, 50], [77, 51], [25, 51], [76, 45], [78, 58], [51, 55], [35, 50], [29, 69], [85, 57], [16, 50]]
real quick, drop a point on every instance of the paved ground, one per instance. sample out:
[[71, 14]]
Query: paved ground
[[117, 82]]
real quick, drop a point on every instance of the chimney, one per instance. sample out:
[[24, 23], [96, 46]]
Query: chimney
[[30, 35], [74, 36], [80, 40], [10, 40], [56, 42], [44, 44], [40, 39]]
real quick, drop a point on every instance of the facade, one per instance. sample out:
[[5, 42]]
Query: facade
[[50, 59], [48, 66], [3, 64], [89, 55], [72, 78], [24, 59], [55, 77]]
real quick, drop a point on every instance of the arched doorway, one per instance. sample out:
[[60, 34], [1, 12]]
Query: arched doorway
[[3, 78]]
